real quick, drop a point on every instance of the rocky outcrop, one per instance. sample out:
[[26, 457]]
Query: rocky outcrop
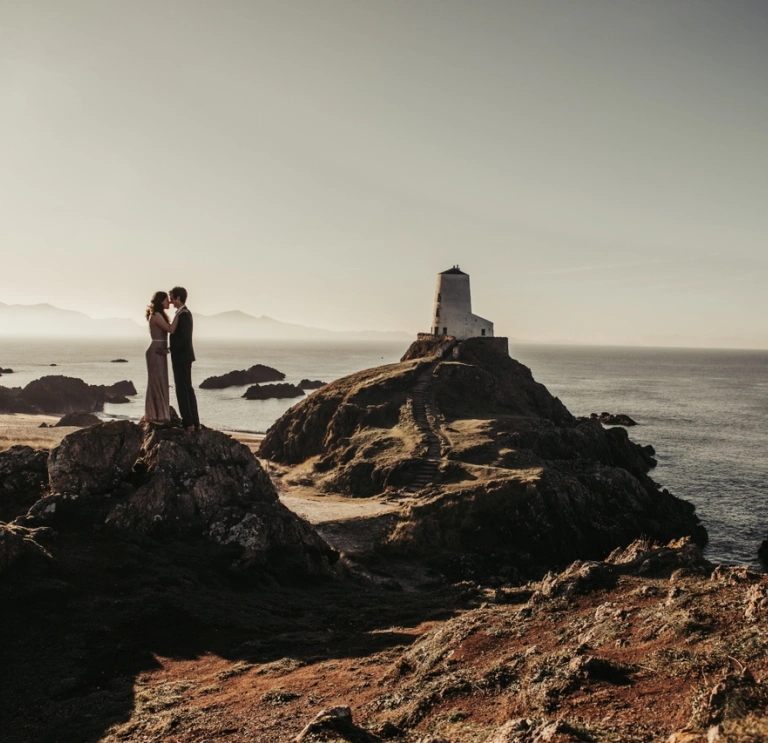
[[22, 547], [124, 387], [79, 419], [6, 371], [762, 551], [23, 478], [257, 374], [60, 394], [273, 391], [311, 384], [507, 479], [164, 483], [10, 402], [610, 419], [119, 361]]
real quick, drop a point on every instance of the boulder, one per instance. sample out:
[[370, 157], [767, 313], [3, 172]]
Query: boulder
[[23, 479], [311, 384], [80, 419], [166, 483], [255, 375], [119, 361], [95, 459], [270, 391], [6, 371]]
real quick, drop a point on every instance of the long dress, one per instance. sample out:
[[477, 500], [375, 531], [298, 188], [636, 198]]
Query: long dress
[[157, 405]]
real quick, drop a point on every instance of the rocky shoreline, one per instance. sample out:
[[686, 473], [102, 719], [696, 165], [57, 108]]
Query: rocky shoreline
[[156, 587]]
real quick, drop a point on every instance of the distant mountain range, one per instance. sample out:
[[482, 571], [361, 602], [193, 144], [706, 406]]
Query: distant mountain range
[[45, 320]]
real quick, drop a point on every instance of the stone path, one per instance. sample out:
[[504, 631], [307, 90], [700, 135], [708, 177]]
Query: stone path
[[429, 426]]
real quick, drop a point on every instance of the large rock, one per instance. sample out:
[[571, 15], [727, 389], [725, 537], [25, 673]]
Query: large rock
[[311, 384], [165, 483], [96, 459], [257, 374], [23, 478], [60, 394], [272, 391], [10, 402], [509, 480]]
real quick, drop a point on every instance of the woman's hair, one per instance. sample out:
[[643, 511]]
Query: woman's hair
[[156, 305]]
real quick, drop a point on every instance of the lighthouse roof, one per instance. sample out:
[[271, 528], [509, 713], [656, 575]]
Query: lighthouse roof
[[454, 269]]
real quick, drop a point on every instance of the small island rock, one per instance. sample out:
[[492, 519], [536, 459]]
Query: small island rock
[[119, 361], [255, 375], [311, 384], [270, 391], [611, 419]]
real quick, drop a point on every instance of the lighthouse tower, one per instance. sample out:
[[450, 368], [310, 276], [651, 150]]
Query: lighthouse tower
[[453, 308]]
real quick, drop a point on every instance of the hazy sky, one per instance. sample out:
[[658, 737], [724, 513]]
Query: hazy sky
[[599, 167]]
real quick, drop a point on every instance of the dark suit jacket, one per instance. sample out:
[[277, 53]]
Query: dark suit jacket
[[181, 340]]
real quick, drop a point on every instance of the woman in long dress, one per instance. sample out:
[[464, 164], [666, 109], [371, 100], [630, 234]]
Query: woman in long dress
[[157, 408]]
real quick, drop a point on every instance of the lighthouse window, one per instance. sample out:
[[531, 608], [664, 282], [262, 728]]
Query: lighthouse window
[[437, 312], [445, 331], [482, 332], [439, 297]]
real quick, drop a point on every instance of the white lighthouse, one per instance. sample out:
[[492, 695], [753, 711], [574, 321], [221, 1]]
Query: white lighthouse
[[453, 308]]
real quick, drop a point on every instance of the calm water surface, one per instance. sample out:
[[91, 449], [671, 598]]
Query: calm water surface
[[705, 411]]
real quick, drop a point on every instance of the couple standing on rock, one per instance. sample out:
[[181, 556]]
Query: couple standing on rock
[[157, 408]]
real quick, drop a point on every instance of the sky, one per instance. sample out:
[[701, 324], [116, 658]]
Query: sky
[[599, 167]]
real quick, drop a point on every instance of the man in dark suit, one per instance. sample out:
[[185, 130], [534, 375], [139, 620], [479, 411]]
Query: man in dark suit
[[182, 356]]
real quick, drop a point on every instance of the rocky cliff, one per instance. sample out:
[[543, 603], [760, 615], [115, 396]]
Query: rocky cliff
[[502, 476]]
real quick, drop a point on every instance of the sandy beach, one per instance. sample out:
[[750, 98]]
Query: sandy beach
[[24, 429]]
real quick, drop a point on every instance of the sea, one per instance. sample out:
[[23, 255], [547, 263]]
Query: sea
[[704, 411]]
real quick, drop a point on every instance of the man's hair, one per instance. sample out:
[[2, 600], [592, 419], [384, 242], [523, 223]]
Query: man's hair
[[180, 292]]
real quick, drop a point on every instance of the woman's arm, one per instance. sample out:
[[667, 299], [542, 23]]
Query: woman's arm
[[160, 321]]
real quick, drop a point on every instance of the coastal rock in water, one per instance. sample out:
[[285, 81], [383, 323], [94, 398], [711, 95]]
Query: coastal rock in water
[[270, 391], [166, 483], [311, 384], [10, 402], [257, 374], [124, 387], [79, 419], [6, 371], [23, 478], [509, 480], [59, 394], [119, 361], [609, 419]]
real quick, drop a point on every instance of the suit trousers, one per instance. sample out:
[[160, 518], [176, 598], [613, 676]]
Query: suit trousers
[[185, 392]]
